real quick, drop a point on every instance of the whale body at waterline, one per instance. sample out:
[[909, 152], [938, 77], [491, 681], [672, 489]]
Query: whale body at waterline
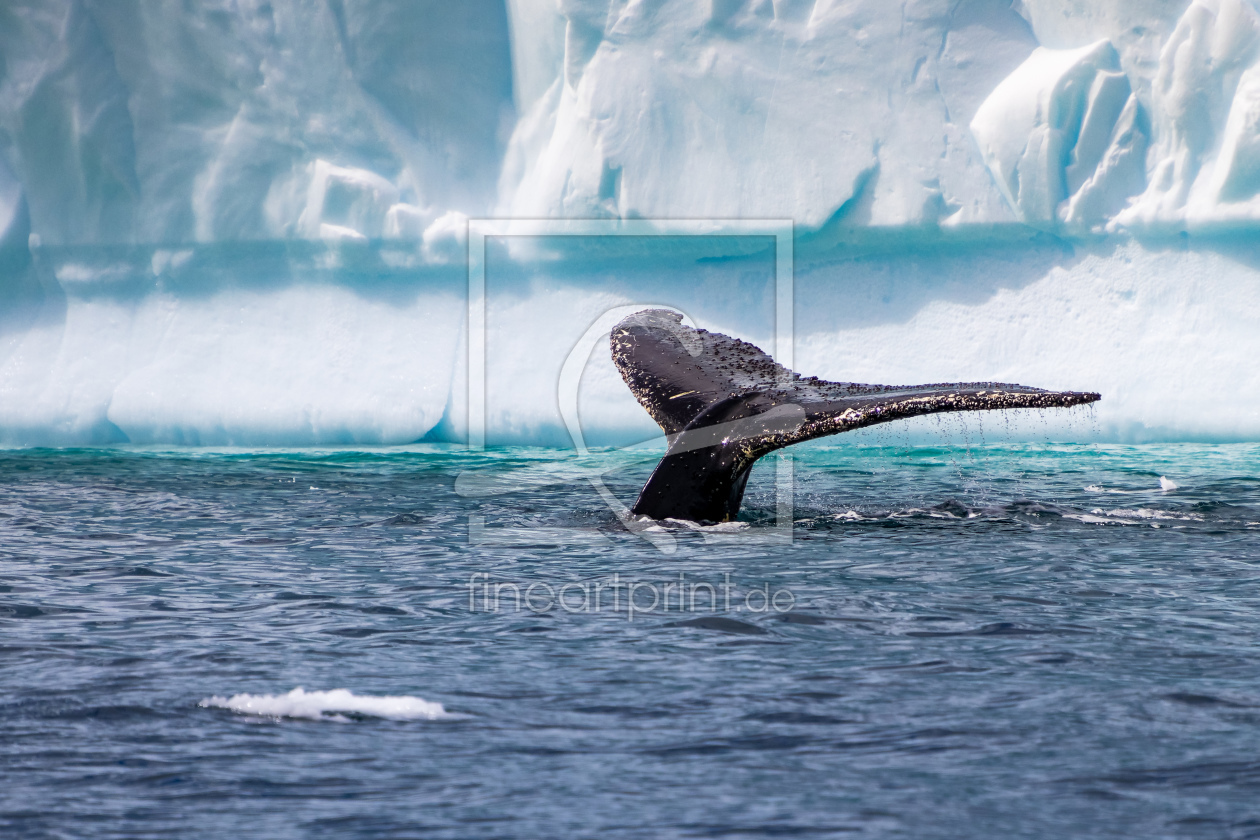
[[724, 403]]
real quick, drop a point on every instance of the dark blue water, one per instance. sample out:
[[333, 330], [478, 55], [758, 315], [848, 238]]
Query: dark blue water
[[1011, 641]]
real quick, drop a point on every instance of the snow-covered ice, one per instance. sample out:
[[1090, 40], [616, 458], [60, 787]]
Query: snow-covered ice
[[247, 224]]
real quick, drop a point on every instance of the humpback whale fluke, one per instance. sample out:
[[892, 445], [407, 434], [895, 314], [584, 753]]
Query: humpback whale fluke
[[723, 404]]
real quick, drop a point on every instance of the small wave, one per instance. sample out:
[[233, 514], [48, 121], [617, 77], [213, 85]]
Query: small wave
[[1091, 519], [338, 705], [943, 511], [948, 510], [1167, 484], [1128, 516], [714, 528], [1149, 513]]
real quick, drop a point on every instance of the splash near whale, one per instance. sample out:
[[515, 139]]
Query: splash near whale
[[723, 403]]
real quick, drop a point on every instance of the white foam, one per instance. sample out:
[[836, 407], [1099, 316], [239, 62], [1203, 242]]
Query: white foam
[[332, 705], [715, 528], [1149, 513], [1094, 488], [1130, 516], [1167, 484], [1091, 519]]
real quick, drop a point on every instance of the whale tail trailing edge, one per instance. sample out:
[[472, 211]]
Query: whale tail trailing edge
[[723, 404]]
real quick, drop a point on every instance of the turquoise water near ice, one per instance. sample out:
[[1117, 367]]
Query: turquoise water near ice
[[996, 640]]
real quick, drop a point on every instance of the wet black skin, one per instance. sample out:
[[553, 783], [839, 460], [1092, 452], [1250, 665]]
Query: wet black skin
[[724, 404]]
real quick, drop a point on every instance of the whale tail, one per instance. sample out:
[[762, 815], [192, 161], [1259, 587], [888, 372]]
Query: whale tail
[[723, 404]]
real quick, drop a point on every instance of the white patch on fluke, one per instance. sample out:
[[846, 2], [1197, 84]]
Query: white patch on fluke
[[332, 705]]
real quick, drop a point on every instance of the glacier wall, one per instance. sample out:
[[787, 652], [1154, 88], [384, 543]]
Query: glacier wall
[[243, 222], [134, 121]]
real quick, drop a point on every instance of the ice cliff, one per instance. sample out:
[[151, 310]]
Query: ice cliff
[[244, 221]]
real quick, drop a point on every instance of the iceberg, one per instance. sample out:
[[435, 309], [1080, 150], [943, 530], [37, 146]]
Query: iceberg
[[248, 224], [1064, 137], [1203, 100]]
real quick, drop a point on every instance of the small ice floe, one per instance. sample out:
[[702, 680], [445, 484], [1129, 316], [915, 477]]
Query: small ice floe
[[1167, 484], [338, 705]]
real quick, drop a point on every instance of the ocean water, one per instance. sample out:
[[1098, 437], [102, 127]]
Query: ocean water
[[962, 640]]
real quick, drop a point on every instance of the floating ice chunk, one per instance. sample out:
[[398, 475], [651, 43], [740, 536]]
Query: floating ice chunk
[[1167, 484], [331, 705]]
